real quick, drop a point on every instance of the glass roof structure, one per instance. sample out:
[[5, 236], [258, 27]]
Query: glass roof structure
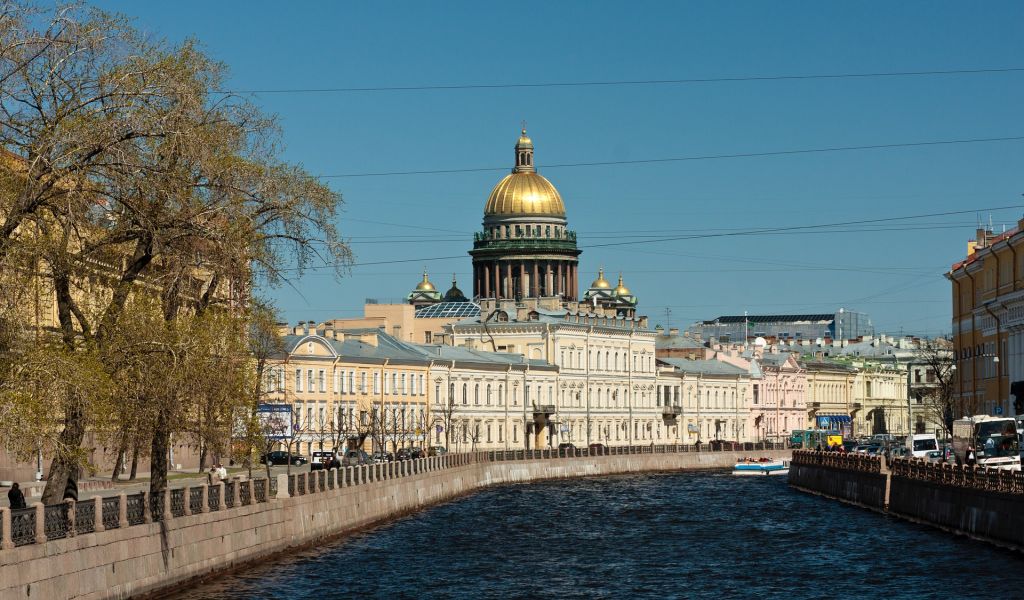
[[448, 310]]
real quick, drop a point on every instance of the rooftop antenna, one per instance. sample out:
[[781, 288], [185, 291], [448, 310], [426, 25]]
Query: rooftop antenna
[[990, 221], [668, 317], [523, 123]]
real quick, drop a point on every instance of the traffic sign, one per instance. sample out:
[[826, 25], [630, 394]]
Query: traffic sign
[[999, 410]]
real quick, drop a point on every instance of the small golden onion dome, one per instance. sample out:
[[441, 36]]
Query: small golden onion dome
[[524, 194], [621, 290], [425, 285], [600, 283]]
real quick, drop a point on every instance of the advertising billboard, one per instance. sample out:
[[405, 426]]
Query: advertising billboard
[[275, 420]]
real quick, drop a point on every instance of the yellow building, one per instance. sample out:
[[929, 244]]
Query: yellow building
[[988, 321], [352, 388]]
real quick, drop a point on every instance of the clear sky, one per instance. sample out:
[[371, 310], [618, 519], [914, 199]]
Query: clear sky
[[894, 273]]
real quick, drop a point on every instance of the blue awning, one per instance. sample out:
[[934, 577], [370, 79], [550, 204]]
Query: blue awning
[[832, 421]]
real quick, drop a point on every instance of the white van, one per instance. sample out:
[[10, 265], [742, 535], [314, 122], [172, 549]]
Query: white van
[[920, 444]]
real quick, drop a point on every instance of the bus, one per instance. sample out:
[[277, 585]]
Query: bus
[[812, 439], [994, 440]]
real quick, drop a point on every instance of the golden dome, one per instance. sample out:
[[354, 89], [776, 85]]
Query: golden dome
[[425, 285], [526, 194], [524, 140], [600, 283], [621, 290]]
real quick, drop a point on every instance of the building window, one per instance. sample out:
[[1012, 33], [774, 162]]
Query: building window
[[487, 400], [403, 385], [298, 380], [465, 394], [309, 381], [322, 380], [476, 394]]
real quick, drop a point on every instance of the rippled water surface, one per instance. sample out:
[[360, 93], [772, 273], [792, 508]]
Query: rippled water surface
[[640, 536]]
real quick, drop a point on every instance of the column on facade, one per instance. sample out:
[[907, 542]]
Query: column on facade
[[497, 280], [559, 285], [486, 281], [535, 280], [507, 291], [523, 290]]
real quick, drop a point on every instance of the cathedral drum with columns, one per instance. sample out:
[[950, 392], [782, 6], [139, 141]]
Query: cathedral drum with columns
[[525, 249]]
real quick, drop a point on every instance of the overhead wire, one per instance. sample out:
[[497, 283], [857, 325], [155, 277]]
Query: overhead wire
[[623, 82]]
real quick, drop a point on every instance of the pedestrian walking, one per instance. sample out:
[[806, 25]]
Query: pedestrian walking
[[222, 472], [16, 497]]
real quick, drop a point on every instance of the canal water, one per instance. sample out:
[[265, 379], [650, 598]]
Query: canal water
[[700, 534]]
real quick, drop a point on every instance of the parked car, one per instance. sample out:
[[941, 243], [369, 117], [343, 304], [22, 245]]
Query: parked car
[[321, 460], [437, 451], [381, 456], [598, 449], [408, 454], [566, 448], [355, 458], [280, 457], [935, 456]]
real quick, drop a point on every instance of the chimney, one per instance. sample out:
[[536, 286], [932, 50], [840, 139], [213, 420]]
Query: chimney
[[673, 331], [659, 330], [329, 331], [283, 328], [300, 329], [311, 327]]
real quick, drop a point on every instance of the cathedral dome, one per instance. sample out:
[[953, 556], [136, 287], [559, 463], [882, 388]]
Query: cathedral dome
[[425, 285], [622, 290], [524, 192], [600, 283]]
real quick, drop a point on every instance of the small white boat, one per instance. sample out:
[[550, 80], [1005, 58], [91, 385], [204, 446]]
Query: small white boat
[[761, 467]]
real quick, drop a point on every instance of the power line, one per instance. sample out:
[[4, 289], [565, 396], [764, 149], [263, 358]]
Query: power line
[[626, 82], [761, 231], [800, 227], [690, 158]]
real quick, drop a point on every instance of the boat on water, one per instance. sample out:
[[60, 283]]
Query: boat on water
[[761, 466]]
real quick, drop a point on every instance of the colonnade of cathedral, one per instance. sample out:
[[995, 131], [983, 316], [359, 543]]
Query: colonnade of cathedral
[[525, 278]]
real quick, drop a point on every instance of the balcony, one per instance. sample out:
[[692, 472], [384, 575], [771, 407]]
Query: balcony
[[542, 413], [671, 412]]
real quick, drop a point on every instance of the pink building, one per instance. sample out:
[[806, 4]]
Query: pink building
[[777, 399]]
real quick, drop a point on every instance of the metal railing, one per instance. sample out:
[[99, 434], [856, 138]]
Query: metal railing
[[57, 518], [23, 526], [971, 477], [862, 463], [85, 517], [111, 508], [136, 509]]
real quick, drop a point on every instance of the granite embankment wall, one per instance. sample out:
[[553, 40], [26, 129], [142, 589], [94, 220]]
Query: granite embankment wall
[[851, 478], [160, 556], [984, 504]]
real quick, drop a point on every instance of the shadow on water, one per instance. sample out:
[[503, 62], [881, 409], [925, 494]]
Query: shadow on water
[[702, 534]]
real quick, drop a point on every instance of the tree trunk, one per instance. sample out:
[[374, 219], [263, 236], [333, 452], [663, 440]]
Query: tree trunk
[[64, 465], [202, 456], [158, 452], [135, 461]]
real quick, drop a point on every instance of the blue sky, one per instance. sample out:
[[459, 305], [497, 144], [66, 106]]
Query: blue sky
[[894, 275]]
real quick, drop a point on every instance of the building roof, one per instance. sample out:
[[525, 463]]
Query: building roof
[[808, 318], [677, 342], [704, 367]]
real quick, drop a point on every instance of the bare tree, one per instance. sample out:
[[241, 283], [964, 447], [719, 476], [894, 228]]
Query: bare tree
[[936, 392]]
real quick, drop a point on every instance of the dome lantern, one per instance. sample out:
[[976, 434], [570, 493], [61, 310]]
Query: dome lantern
[[524, 154]]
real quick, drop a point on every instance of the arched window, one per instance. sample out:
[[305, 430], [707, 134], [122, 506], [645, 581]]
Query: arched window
[[598, 359], [451, 392], [599, 397], [476, 394], [465, 394], [488, 399], [608, 360], [501, 395]]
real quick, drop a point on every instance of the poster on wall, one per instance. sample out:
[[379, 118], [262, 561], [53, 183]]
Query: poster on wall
[[275, 420]]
